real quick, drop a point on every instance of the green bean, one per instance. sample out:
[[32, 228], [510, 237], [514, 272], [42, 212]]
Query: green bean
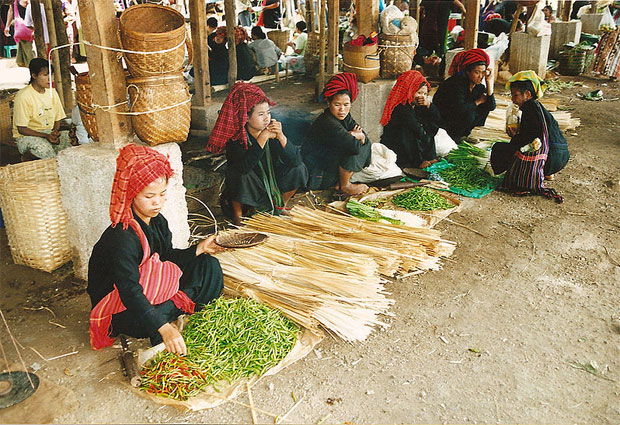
[[421, 199]]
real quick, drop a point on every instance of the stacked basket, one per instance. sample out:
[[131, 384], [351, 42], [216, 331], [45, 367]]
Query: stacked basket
[[158, 94], [397, 52]]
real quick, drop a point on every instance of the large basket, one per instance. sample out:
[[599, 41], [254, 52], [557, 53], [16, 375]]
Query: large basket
[[168, 98], [396, 52], [6, 121], [572, 62], [363, 61], [36, 223], [84, 99], [151, 28], [311, 57], [280, 38]]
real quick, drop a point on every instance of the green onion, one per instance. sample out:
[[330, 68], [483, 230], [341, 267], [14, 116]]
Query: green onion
[[366, 212]]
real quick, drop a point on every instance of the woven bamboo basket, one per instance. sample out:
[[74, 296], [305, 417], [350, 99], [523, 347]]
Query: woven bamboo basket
[[397, 52], [168, 97], [84, 100], [6, 121], [311, 57], [363, 61], [280, 38], [572, 62], [151, 28], [36, 223]]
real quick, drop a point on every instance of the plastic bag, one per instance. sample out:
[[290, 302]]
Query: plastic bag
[[382, 166], [537, 25], [499, 46], [607, 21], [443, 143], [513, 118], [387, 16]]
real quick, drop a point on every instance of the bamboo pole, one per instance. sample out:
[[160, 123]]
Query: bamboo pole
[[231, 16], [198, 24], [39, 37], [471, 23], [333, 11], [51, 30], [64, 56], [321, 20], [515, 18]]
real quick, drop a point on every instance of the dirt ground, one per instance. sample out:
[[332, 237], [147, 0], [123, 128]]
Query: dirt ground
[[497, 336]]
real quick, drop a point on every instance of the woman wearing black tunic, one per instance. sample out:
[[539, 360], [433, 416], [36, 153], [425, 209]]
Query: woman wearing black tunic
[[264, 170], [462, 100], [336, 146], [410, 122]]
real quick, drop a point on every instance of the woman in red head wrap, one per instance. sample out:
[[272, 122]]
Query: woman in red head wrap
[[463, 101], [137, 282], [264, 169], [410, 121], [336, 146]]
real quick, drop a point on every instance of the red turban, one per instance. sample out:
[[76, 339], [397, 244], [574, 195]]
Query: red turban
[[407, 84], [230, 124], [462, 59], [343, 81], [136, 168], [240, 34]]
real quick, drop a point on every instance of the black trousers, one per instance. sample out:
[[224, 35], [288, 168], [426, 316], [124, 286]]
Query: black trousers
[[202, 281]]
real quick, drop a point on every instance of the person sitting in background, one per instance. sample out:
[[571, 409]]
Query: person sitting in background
[[548, 11], [37, 112], [537, 149], [296, 62], [211, 25], [264, 170], [410, 122], [137, 282], [336, 146], [244, 12], [267, 53], [462, 100], [218, 57], [246, 66]]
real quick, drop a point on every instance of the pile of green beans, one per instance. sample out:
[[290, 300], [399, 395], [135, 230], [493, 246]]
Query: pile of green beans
[[227, 340], [466, 177], [421, 199]]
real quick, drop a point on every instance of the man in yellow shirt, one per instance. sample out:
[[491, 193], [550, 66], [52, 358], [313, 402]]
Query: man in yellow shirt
[[37, 113]]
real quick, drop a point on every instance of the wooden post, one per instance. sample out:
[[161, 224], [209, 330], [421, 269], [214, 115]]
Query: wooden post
[[321, 20], [39, 37], [414, 11], [367, 16], [198, 24], [311, 24], [567, 5], [515, 18], [333, 11], [231, 20], [51, 30], [64, 56], [107, 78], [471, 23]]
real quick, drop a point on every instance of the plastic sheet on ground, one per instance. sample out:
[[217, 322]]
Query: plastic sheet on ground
[[492, 183]]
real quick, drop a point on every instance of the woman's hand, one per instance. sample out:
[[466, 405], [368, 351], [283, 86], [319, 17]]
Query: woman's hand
[[481, 100], [423, 101], [276, 128], [208, 246], [173, 340], [358, 133], [53, 137], [490, 80], [511, 131]]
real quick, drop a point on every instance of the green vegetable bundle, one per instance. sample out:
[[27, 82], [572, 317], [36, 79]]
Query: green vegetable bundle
[[466, 176], [467, 153], [227, 340], [366, 212], [421, 199]]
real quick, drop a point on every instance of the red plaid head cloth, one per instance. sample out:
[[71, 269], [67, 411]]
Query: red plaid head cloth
[[136, 168], [240, 33], [462, 59], [343, 81], [407, 84], [230, 124]]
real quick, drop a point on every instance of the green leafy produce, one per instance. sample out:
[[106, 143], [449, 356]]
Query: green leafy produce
[[422, 199], [227, 340], [466, 177], [366, 212], [467, 153]]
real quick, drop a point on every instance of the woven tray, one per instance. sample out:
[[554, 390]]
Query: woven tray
[[240, 239], [36, 223], [84, 100], [6, 121]]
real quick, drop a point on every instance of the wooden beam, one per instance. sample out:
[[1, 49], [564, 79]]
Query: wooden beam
[[39, 37], [64, 56], [367, 16], [333, 12], [51, 30], [311, 24], [567, 5], [107, 77], [231, 20], [471, 23], [515, 18], [321, 21], [198, 24]]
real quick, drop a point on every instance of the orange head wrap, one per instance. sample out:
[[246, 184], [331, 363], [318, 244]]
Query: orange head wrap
[[407, 84]]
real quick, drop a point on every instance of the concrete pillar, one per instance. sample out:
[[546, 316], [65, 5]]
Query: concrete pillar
[[86, 174], [368, 107], [562, 33], [590, 23], [529, 52], [203, 118]]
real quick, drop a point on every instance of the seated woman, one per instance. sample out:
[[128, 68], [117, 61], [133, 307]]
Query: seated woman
[[264, 170], [463, 102], [537, 148], [246, 67], [296, 61], [410, 122], [267, 53], [37, 113], [336, 146], [218, 57], [137, 282]]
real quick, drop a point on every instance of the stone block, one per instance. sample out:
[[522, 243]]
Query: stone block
[[204, 117], [529, 52], [86, 174], [561, 34], [368, 107], [590, 23]]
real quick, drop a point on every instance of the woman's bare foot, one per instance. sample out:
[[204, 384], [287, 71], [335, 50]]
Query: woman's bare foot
[[354, 189], [550, 177]]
